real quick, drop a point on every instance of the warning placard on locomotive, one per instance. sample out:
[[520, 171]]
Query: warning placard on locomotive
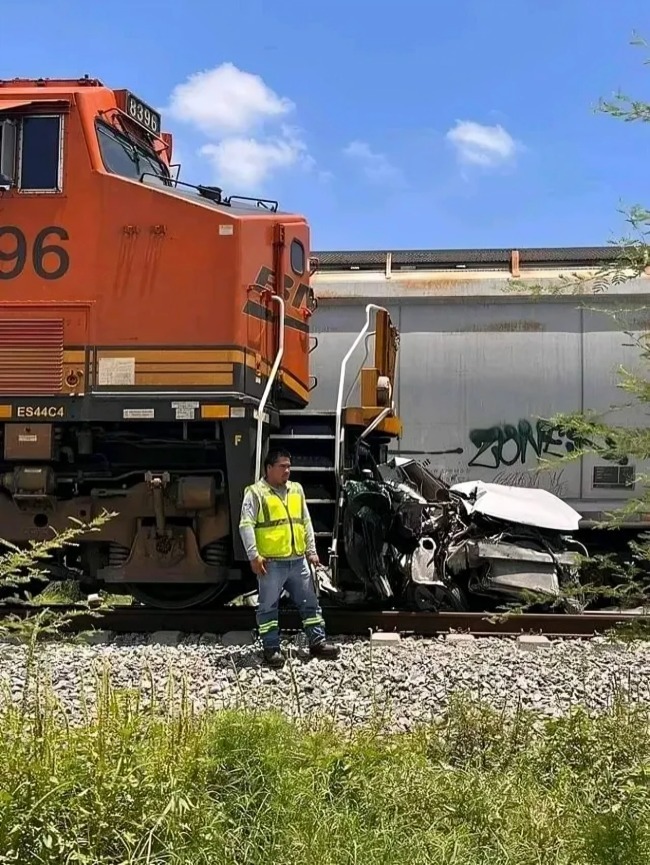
[[116, 370]]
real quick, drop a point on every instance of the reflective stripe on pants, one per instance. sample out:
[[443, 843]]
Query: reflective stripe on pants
[[294, 576]]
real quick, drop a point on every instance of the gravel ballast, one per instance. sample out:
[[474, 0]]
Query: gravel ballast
[[406, 683]]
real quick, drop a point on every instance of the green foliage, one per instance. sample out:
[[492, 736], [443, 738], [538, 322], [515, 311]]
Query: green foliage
[[623, 107], [21, 566], [592, 434], [134, 785], [632, 255]]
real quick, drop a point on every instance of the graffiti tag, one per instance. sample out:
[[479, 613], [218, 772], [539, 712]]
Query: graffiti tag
[[507, 444], [552, 481]]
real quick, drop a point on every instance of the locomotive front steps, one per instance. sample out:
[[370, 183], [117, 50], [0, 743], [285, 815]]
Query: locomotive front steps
[[309, 438]]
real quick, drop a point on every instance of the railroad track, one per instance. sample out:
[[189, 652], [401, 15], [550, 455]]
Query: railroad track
[[140, 619]]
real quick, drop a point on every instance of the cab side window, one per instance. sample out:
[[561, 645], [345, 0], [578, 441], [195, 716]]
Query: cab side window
[[40, 153], [297, 254], [31, 153]]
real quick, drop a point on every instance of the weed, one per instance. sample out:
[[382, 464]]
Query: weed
[[139, 782]]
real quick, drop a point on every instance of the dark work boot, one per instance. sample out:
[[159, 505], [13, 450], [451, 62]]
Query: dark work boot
[[274, 658], [324, 650]]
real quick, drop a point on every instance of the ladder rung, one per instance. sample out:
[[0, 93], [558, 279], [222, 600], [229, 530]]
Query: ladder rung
[[321, 501], [312, 469], [301, 436], [322, 534], [307, 412]]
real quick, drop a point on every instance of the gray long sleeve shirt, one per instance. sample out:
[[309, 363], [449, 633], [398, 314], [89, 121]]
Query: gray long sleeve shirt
[[249, 510]]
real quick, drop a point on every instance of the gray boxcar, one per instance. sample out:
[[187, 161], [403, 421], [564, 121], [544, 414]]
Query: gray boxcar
[[480, 368]]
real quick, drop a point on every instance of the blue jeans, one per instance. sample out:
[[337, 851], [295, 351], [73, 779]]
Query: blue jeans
[[294, 576]]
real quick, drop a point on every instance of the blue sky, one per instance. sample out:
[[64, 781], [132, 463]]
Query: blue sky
[[389, 125]]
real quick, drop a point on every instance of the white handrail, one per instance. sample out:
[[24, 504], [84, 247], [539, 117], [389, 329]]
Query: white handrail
[[365, 358], [267, 389], [339, 398]]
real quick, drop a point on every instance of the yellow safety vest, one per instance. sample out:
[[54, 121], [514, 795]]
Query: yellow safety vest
[[280, 528]]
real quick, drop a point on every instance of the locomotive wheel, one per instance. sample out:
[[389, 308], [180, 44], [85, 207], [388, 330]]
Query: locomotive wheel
[[175, 596]]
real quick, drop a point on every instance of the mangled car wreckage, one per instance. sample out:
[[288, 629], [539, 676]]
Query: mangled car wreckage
[[412, 540]]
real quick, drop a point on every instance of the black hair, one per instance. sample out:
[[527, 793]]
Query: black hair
[[274, 455]]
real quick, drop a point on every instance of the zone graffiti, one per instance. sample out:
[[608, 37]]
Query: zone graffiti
[[507, 444]]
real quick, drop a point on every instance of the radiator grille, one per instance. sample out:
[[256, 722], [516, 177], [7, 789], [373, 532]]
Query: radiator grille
[[31, 356]]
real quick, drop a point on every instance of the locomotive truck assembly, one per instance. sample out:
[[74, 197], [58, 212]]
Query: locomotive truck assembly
[[156, 338]]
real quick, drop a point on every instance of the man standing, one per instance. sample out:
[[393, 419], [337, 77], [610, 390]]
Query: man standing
[[277, 533]]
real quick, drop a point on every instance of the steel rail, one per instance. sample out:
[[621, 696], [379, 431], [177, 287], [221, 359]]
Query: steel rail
[[140, 619]]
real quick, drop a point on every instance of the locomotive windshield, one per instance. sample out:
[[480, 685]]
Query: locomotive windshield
[[128, 157]]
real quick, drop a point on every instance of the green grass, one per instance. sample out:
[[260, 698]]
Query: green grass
[[135, 786]]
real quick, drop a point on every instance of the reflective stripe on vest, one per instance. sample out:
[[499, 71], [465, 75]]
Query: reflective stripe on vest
[[280, 528]]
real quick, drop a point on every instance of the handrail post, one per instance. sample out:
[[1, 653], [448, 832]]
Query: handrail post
[[267, 389], [339, 399]]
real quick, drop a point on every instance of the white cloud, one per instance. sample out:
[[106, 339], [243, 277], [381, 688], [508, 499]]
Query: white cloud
[[487, 146], [234, 109], [226, 100], [375, 166], [246, 163]]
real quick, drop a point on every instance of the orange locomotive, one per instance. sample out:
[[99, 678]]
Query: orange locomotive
[[142, 322]]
